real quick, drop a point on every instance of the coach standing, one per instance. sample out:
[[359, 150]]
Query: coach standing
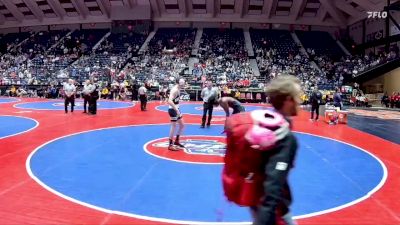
[[94, 96], [86, 94], [208, 94], [315, 100], [337, 99], [69, 90], [143, 97]]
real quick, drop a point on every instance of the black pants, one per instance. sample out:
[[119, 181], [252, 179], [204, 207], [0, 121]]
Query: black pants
[[314, 107], [134, 95], [85, 102], [386, 103], [114, 94], [207, 107], [338, 105], [92, 105], [143, 102], [67, 101]]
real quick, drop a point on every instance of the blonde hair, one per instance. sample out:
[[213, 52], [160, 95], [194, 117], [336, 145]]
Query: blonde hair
[[282, 87]]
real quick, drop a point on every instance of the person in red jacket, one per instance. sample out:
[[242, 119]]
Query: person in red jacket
[[285, 96], [393, 100]]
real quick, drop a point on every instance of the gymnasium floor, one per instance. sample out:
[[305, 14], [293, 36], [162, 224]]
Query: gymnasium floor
[[113, 168]]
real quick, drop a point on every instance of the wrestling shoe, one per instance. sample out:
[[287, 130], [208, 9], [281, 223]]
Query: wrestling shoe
[[172, 148], [179, 145]]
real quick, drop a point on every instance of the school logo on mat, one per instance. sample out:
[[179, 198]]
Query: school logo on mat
[[62, 104], [77, 104], [198, 149], [218, 108]]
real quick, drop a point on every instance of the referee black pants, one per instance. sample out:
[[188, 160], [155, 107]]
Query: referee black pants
[[85, 102], [207, 107], [67, 101], [315, 107], [143, 102], [92, 109]]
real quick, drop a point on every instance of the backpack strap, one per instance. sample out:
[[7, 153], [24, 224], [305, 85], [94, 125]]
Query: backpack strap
[[268, 128]]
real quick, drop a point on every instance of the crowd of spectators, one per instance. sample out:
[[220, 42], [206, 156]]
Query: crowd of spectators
[[176, 41], [392, 101], [349, 67], [273, 64], [41, 42], [277, 53], [35, 61], [159, 69], [223, 58], [164, 60], [109, 58], [49, 58]]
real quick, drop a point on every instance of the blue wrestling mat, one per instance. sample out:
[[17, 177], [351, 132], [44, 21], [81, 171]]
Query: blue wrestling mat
[[59, 105], [14, 125], [129, 170], [9, 100], [197, 109]]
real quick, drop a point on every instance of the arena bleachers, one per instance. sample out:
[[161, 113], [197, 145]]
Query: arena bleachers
[[222, 57], [280, 40], [42, 41], [321, 43]]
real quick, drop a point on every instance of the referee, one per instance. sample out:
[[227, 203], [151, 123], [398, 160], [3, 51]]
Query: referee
[[143, 97], [93, 95], [69, 90], [208, 94], [86, 94], [315, 100]]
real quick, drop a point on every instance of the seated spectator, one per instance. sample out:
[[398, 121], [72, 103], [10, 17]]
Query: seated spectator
[[395, 100], [104, 93], [385, 100], [21, 92], [13, 91], [361, 101]]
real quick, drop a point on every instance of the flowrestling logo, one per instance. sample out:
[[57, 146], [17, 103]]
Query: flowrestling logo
[[198, 149], [377, 14]]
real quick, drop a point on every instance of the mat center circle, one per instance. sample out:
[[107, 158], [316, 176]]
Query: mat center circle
[[197, 149]]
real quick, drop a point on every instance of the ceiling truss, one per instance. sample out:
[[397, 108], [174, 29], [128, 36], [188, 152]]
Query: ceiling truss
[[331, 12]]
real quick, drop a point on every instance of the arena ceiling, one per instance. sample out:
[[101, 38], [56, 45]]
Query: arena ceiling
[[307, 12]]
